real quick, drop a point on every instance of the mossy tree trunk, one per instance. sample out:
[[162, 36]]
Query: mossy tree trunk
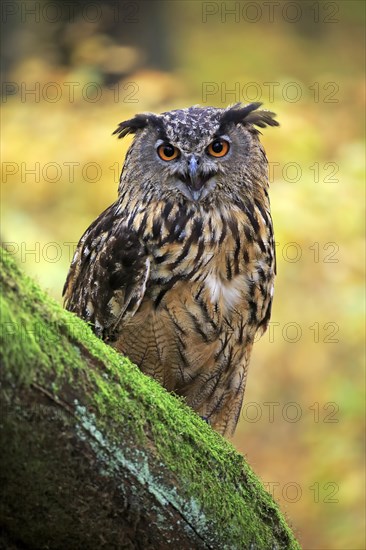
[[96, 455]]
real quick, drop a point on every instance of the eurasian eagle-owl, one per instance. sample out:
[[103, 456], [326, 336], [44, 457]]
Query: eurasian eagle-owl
[[178, 273]]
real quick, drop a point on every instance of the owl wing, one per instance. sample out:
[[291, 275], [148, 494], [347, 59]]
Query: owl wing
[[108, 274]]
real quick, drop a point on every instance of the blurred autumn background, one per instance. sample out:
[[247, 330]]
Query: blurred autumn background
[[72, 71]]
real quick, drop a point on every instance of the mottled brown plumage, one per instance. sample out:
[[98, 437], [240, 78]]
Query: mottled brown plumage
[[178, 272]]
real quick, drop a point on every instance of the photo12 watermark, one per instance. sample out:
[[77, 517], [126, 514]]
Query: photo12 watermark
[[270, 12], [91, 172], [69, 92], [53, 252], [270, 91], [31, 12], [292, 491], [290, 412]]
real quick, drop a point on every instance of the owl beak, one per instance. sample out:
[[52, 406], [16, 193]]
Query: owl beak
[[194, 180], [192, 167]]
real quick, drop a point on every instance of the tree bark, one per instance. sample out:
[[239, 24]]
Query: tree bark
[[96, 455]]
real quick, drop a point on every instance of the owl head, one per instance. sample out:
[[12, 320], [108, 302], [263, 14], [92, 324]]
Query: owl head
[[201, 155]]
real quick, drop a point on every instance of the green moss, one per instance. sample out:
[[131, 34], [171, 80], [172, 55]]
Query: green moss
[[42, 341]]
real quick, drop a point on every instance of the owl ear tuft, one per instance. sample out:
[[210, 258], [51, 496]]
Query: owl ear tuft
[[249, 115], [132, 125], [261, 119]]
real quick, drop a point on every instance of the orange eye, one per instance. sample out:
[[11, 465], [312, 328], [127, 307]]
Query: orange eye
[[218, 148], [167, 152]]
